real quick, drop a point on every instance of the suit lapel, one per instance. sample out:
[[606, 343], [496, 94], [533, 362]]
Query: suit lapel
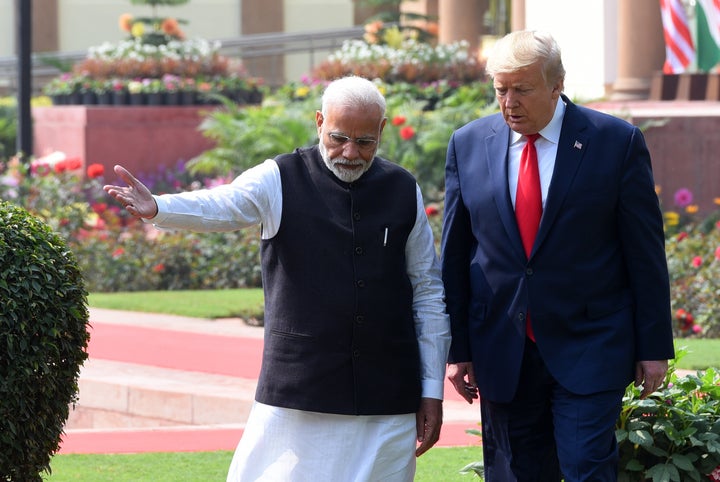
[[496, 156], [572, 146]]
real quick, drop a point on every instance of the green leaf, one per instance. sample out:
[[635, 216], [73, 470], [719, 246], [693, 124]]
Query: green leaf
[[682, 462], [640, 437]]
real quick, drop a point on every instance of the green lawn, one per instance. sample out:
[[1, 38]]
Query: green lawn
[[439, 464]]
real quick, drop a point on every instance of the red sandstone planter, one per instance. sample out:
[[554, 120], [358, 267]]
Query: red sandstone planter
[[142, 138]]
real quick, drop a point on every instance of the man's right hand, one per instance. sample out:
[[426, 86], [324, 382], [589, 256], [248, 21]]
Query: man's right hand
[[462, 376], [135, 197]]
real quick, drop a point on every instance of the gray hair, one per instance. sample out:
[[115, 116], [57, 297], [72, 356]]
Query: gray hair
[[352, 91], [520, 49]]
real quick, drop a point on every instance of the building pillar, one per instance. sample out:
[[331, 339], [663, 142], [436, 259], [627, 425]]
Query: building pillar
[[641, 48], [45, 20], [461, 20], [264, 16], [517, 15]]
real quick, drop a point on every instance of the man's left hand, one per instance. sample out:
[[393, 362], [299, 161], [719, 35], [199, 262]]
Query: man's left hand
[[651, 375], [429, 421]]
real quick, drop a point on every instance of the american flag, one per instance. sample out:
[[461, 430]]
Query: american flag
[[679, 48]]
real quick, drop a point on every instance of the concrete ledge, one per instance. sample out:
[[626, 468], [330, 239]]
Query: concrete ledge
[[115, 394]]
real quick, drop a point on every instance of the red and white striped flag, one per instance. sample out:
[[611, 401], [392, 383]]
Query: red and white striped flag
[[679, 48]]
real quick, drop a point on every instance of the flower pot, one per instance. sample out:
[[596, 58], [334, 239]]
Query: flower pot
[[187, 98], [137, 99], [89, 98], [172, 98], [75, 98], [104, 98], [119, 97], [59, 99], [154, 98]]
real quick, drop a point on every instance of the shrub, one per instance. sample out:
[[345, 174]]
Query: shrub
[[674, 434], [43, 321], [693, 255]]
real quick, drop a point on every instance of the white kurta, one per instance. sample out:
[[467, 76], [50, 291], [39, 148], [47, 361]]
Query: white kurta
[[285, 445], [289, 445]]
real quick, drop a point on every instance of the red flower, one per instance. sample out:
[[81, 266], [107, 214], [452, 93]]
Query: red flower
[[697, 261], [99, 208], [118, 252], [407, 133], [717, 253], [680, 314], [715, 474], [682, 235], [95, 170], [159, 268], [398, 120], [431, 210]]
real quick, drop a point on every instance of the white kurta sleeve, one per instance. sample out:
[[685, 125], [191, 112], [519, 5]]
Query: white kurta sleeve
[[254, 197], [432, 324]]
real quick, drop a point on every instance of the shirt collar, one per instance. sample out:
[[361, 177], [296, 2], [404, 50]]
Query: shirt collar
[[551, 132]]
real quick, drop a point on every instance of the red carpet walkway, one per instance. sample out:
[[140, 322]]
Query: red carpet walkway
[[150, 362]]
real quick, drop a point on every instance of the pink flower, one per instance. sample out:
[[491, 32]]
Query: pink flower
[[697, 261], [683, 197], [715, 474], [697, 329], [717, 253]]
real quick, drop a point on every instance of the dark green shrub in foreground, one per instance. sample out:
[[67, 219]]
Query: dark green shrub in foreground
[[43, 337]]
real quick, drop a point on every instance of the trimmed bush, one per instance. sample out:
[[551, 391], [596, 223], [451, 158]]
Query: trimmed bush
[[43, 341]]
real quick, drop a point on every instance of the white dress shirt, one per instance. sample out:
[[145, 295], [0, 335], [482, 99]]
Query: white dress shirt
[[546, 146]]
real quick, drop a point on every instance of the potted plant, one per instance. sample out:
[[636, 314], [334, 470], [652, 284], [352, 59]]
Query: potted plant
[[43, 321]]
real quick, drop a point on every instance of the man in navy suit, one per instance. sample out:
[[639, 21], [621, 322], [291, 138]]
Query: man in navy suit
[[549, 330]]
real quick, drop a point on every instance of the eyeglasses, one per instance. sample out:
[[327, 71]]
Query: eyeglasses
[[363, 143]]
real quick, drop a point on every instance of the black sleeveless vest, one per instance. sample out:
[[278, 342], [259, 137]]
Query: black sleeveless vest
[[339, 329]]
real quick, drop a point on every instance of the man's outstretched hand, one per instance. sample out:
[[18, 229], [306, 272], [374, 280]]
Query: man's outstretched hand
[[135, 197]]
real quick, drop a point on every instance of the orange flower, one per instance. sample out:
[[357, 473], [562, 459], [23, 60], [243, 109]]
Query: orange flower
[[373, 27], [125, 22], [170, 26], [432, 28]]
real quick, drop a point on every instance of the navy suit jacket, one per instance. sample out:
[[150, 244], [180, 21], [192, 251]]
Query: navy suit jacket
[[596, 283]]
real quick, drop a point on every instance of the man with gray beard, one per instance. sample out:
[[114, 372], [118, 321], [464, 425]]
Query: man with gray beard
[[356, 334]]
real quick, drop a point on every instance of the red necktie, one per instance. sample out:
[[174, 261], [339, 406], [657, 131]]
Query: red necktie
[[528, 202]]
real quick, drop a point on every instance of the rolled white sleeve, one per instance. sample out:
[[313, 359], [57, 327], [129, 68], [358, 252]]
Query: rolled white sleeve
[[432, 324]]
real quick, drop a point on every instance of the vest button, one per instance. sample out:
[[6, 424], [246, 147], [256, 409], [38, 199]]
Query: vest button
[[358, 250], [521, 316], [529, 271], [356, 353], [359, 319], [356, 216], [360, 283]]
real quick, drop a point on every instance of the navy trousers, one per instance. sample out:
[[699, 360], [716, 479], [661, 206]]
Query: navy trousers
[[546, 433]]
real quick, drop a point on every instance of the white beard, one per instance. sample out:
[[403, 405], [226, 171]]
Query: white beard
[[337, 166]]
